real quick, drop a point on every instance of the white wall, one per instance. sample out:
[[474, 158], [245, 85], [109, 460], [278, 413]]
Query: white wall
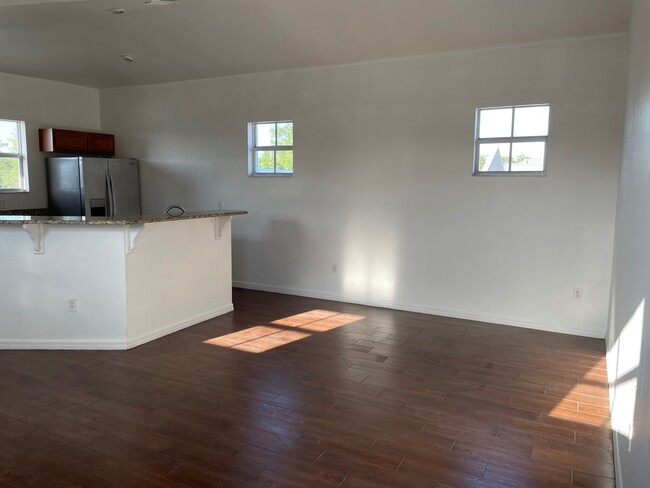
[[179, 275], [41, 104], [383, 184], [82, 262], [628, 337]]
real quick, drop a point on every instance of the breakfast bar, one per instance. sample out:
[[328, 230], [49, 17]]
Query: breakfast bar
[[111, 283]]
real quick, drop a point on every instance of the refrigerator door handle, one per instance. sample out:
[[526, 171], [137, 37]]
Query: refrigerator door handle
[[109, 191]]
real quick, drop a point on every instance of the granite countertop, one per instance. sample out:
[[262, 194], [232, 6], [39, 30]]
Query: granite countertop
[[142, 219]]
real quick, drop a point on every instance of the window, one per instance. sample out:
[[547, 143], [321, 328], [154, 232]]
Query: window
[[511, 140], [13, 156], [270, 148]]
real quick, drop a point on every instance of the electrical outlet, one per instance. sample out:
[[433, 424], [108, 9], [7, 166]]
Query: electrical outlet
[[577, 294], [71, 304], [334, 268]]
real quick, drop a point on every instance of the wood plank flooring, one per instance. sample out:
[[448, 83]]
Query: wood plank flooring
[[295, 392]]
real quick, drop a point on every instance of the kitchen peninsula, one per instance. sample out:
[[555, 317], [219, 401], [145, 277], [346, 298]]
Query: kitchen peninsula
[[111, 283]]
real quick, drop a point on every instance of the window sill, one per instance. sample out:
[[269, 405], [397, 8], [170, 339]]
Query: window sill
[[509, 173], [271, 175], [14, 191]]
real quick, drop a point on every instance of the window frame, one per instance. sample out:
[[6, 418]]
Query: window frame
[[253, 148], [508, 140], [21, 156]]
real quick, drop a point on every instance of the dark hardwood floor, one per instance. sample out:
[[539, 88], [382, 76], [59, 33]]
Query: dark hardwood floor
[[296, 392]]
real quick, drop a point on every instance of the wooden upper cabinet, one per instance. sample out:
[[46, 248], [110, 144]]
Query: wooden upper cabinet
[[69, 141], [76, 142], [101, 143]]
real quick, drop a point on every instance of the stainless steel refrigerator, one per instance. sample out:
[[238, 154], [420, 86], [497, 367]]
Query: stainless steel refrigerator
[[93, 187]]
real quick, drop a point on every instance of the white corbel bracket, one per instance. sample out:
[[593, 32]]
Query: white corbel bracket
[[219, 224], [131, 233], [37, 233]]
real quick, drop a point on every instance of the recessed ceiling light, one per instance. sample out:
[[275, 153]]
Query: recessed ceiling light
[[161, 3], [118, 11], [128, 58]]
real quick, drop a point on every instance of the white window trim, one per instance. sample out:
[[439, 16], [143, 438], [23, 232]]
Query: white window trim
[[509, 140], [22, 158], [252, 147]]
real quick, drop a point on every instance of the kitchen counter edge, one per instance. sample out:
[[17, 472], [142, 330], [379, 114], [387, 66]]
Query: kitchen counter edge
[[142, 219]]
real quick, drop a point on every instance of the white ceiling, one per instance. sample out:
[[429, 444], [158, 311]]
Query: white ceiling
[[81, 41]]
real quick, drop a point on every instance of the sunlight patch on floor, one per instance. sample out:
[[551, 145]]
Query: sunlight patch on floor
[[262, 338], [587, 402], [304, 318], [258, 339], [332, 322], [581, 416]]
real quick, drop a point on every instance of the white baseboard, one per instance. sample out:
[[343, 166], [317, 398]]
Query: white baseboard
[[611, 375], [111, 344], [183, 324], [64, 344], [492, 319], [617, 460]]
